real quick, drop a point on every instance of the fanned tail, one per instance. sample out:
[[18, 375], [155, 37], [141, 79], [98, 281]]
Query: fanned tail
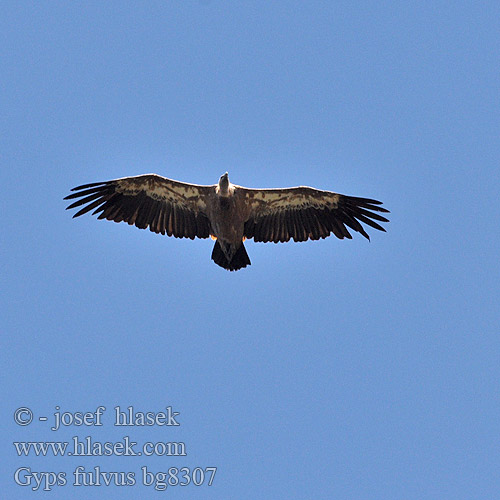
[[239, 260]]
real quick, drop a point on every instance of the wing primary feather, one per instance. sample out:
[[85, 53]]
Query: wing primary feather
[[202, 229], [153, 210], [359, 200], [150, 211], [371, 223], [187, 225], [257, 228], [112, 207], [129, 208], [179, 222], [353, 224], [270, 225], [323, 223], [110, 200], [266, 229], [140, 212], [284, 227], [169, 220], [280, 226], [288, 224], [153, 225], [299, 226], [175, 220], [313, 227], [87, 199], [276, 227], [161, 220], [93, 184], [87, 208], [249, 228], [370, 214], [334, 226], [113, 213], [366, 203], [79, 194], [191, 225], [343, 229], [292, 230]]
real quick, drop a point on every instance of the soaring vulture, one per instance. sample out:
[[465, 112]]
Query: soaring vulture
[[227, 212]]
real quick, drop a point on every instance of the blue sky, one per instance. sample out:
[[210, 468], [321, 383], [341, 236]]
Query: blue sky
[[331, 369]]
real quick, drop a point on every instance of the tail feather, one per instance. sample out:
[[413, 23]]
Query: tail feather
[[239, 260]]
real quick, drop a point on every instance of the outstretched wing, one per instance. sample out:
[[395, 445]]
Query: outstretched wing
[[166, 206], [304, 213]]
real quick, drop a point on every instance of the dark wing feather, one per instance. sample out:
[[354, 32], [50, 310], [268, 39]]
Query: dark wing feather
[[165, 206], [304, 213]]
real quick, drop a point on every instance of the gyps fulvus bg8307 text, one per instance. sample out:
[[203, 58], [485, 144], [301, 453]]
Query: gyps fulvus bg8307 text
[[227, 212]]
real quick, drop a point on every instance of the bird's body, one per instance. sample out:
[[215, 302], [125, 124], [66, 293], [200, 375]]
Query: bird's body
[[227, 212]]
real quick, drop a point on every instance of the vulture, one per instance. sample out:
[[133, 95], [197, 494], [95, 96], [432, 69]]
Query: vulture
[[226, 212]]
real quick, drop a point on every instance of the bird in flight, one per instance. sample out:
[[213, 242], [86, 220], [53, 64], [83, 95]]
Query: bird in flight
[[226, 212]]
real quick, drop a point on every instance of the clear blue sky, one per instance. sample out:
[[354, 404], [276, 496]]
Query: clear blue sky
[[326, 370]]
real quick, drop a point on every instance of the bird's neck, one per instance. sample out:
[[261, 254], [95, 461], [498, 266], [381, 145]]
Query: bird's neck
[[225, 188]]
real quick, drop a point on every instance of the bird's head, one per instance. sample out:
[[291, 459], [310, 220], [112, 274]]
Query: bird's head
[[224, 183]]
